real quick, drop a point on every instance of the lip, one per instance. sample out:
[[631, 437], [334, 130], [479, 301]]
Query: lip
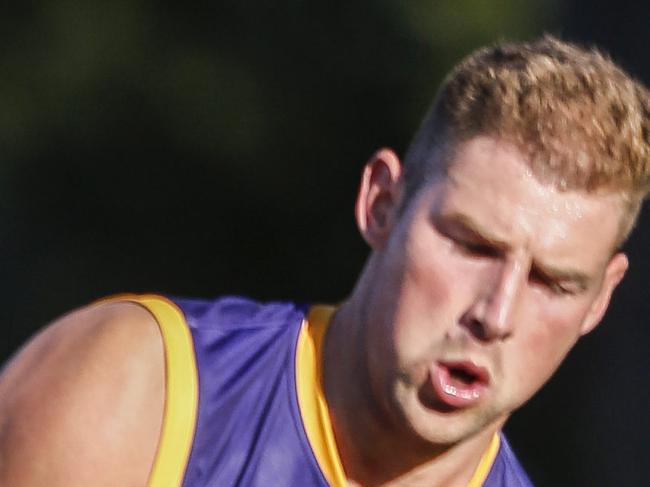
[[454, 392]]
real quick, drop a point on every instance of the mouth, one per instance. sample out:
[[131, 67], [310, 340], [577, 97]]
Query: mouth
[[459, 384]]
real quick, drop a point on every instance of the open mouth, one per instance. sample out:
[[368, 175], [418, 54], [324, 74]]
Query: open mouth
[[466, 373], [459, 384], [462, 376]]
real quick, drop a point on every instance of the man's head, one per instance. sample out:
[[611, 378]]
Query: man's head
[[581, 121], [495, 248]]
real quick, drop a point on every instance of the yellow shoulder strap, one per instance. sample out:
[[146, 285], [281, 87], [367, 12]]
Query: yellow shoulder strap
[[311, 398], [181, 390]]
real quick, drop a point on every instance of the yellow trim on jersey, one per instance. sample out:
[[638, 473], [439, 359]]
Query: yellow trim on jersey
[[181, 390], [311, 398], [181, 393], [484, 466]]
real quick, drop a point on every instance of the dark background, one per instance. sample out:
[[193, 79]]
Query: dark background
[[215, 147]]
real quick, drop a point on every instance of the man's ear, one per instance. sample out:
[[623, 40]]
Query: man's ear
[[379, 197], [613, 275]]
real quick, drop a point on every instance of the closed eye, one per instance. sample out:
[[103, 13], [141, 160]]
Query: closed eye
[[555, 287], [479, 249], [466, 239]]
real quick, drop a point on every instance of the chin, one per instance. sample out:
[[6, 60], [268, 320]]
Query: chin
[[441, 426]]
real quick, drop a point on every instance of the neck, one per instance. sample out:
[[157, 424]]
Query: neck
[[373, 449]]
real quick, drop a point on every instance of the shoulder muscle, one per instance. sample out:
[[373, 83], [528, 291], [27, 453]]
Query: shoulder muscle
[[82, 403]]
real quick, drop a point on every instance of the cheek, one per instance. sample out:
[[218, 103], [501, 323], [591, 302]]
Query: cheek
[[544, 343], [431, 272], [425, 310]]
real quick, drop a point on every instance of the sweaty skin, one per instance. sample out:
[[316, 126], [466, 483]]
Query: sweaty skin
[[487, 268]]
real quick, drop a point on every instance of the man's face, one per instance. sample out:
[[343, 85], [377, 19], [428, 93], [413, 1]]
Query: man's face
[[483, 284]]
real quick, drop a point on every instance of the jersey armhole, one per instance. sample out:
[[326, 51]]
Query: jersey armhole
[[181, 390]]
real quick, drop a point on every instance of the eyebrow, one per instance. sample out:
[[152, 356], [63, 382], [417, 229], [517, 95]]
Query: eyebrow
[[547, 271]]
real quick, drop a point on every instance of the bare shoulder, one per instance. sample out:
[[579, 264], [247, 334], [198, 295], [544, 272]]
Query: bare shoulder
[[82, 402]]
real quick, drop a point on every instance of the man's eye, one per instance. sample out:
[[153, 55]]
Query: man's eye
[[555, 287], [476, 248]]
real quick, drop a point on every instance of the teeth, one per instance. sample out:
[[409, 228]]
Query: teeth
[[464, 394]]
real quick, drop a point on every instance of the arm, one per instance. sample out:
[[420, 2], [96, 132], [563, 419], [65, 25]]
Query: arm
[[82, 403]]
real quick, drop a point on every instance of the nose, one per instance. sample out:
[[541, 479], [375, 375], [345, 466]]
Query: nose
[[492, 315]]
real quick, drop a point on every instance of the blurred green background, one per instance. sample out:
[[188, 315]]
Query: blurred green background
[[215, 147]]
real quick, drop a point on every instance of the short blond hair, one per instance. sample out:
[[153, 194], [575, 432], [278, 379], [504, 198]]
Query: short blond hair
[[581, 120]]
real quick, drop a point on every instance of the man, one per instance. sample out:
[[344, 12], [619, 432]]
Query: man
[[494, 248]]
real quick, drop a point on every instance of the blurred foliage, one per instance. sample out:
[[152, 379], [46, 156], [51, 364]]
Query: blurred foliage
[[214, 138], [230, 79]]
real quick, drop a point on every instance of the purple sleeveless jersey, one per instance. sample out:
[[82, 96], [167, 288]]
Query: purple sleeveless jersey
[[249, 430]]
